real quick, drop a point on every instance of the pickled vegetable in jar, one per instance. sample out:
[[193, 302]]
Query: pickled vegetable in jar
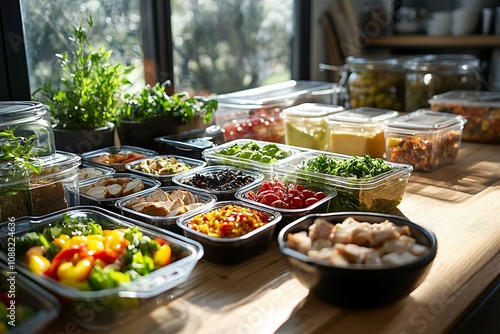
[[375, 82], [430, 75]]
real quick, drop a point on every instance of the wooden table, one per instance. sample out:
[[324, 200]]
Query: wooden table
[[460, 203]]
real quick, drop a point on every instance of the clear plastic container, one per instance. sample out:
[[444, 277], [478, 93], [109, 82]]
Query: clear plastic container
[[254, 113], [305, 124], [88, 171], [117, 156], [358, 131], [34, 309], [381, 193], [109, 308], [424, 139], [26, 118], [233, 250], [23, 193], [289, 214], [480, 108], [375, 82], [430, 75], [104, 197], [166, 221], [257, 159], [212, 179], [172, 165]]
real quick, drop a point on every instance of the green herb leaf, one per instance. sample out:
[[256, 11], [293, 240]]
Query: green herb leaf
[[153, 101]]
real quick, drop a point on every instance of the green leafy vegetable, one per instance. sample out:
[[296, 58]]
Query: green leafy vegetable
[[356, 167], [153, 101]]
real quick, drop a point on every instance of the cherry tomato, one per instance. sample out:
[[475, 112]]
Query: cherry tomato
[[265, 186], [310, 201], [306, 193], [320, 195], [296, 203], [280, 204], [299, 187], [269, 199]]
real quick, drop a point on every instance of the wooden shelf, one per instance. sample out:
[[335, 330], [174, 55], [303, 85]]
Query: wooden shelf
[[424, 41]]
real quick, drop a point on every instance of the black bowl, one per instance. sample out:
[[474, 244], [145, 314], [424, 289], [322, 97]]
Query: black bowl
[[356, 286]]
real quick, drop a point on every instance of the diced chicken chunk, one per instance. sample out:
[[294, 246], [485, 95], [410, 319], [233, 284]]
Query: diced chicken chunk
[[299, 241]]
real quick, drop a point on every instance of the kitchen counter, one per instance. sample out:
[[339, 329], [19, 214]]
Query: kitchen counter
[[460, 203]]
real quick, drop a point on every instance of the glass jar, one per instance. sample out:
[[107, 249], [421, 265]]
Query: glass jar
[[375, 82], [430, 75], [26, 118]]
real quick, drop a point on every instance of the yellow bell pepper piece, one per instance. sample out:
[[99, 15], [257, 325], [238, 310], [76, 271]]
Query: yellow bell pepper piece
[[162, 256], [115, 240], [75, 274], [38, 264], [61, 240]]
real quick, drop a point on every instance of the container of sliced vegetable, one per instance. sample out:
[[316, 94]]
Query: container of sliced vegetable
[[362, 183], [255, 155], [105, 269]]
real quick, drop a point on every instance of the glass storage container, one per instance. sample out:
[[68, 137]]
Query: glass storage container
[[305, 124], [23, 192], [255, 113], [424, 139], [358, 131], [429, 75], [26, 118], [375, 82]]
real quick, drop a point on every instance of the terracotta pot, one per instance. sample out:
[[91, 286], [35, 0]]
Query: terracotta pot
[[143, 134], [81, 141]]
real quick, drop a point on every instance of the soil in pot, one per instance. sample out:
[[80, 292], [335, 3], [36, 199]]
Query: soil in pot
[[143, 134], [81, 141]]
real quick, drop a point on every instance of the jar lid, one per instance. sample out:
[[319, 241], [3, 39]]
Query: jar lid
[[311, 110], [11, 112], [426, 120], [373, 63], [363, 115], [443, 62]]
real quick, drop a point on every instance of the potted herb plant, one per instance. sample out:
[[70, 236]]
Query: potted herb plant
[[152, 113], [84, 104]]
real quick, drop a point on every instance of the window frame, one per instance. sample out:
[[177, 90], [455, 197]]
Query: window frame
[[157, 46]]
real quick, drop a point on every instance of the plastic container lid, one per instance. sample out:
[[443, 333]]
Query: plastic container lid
[[364, 115], [425, 120], [284, 93], [469, 98], [311, 110]]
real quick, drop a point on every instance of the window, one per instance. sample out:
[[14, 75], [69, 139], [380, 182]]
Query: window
[[232, 44]]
